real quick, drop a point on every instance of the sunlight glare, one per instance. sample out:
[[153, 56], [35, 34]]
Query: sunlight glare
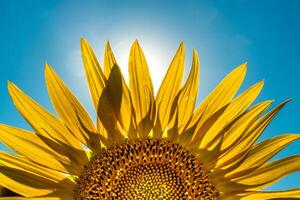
[[156, 60]]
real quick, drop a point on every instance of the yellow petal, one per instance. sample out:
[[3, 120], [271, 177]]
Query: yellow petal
[[201, 129], [24, 198], [285, 194], [234, 109], [33, 148], [229, 135], [20, 163], [168, 91], [141, 90], [221, 95], [262, 152], [188, 94], [108, 125], [30, 185], [238, 128], [94, 73], [28, 179], [239, 149], [270, 173], [61, 197], [58, 135], [26, 184], [109, 60], [71, 111], [233, 133], [59, 194], [118, 93]]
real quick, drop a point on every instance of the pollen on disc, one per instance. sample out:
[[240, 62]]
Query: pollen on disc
[[145, 169]]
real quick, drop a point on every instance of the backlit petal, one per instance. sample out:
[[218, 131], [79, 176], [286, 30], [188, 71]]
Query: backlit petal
[[141, 90], [33, 148], [70, 110], [168, 91], [221, 95], [57, 134]]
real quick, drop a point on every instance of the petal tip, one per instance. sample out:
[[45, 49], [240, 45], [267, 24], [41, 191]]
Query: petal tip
[[241, 69], [11, 87], [135, 44], [47, 66], [107, 45], [245, 65], [195, 52], [288, 100], [261, 83], [181, 46], [84, 43], [83, 40], [48, 72], [10, 84]]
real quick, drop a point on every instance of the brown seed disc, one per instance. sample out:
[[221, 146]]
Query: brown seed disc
[[145, 169]]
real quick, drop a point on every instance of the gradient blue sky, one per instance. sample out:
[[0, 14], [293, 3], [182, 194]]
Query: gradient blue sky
[[225, 33]]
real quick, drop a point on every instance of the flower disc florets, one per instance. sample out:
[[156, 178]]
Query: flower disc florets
[[145, 169]]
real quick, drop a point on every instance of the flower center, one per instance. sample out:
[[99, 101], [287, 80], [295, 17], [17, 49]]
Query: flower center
[[145, 169]]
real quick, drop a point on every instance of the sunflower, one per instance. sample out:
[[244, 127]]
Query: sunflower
[[141, 146]]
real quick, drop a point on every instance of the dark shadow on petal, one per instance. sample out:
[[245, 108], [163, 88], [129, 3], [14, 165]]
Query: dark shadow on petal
[[146, 124], [200, 133], [4, 192], [173, 119], [109, 106], [36, 182], [63, 149], [30, 179]]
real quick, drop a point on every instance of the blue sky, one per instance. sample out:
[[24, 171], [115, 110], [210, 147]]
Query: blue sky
[[226, 34]]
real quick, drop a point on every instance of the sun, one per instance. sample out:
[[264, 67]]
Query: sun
[[145, 144], [156, 64]]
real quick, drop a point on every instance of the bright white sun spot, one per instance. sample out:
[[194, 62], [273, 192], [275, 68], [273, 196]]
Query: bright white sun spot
[[74, 64], [155, 58]]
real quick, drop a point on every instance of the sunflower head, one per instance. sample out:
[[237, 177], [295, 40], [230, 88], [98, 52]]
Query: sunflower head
[[142, 145], [146, 169]]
